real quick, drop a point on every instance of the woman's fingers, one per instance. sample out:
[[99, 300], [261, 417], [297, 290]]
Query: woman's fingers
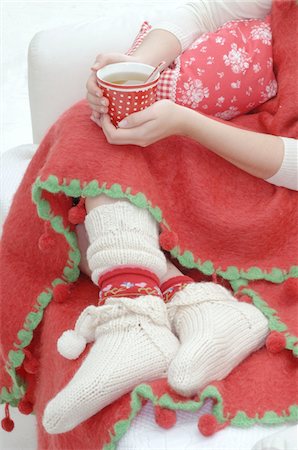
[[99, 105], [137, 119], [117, 135], [109, 58], [96, 119], [92, 86], [99, 62], [95, 96], [95, 115]]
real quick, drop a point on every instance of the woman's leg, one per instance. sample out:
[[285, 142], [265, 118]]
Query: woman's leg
[[210, 323], [133, 340]]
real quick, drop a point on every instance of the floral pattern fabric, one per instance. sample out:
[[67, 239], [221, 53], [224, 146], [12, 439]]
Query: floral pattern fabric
[[223, 74]]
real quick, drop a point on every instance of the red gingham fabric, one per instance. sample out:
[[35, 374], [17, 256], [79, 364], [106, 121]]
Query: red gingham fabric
[[167, 77], [225, 73]]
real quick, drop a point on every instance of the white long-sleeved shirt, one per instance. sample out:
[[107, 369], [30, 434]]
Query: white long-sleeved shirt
[[187, 22]]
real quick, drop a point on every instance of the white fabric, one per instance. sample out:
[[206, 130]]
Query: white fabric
[[144, 434], [282, 440], [192, 19], [287, 175], [14, 163], [133, 344], [122, 234]]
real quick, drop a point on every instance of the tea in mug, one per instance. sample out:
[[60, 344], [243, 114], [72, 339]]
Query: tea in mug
[[127, 78]]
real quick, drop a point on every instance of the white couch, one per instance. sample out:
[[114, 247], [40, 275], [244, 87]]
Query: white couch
[[59, 62]]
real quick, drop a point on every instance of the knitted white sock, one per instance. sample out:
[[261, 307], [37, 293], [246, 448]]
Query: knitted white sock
[[216, 333], [123, 234], [282, 440], [133, 344]]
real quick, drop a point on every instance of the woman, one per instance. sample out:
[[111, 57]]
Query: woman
[[122, 235]]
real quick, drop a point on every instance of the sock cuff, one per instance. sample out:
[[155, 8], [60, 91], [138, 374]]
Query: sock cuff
[[128, 282], [173, 285], [118, 217], [121, 234], [130, 270]]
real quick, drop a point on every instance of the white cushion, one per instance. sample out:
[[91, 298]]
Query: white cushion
[[14, 163], [60, 59]]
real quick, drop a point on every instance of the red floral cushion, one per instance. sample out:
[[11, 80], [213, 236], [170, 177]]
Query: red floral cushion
[[225, 73]]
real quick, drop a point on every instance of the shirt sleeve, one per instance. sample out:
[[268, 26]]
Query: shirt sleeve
[[189, 21], [287, 175]]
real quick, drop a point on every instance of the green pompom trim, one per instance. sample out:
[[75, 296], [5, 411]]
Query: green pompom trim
[[33, 319], [274, 322], [241, 419], [93, 189], [238, 278]]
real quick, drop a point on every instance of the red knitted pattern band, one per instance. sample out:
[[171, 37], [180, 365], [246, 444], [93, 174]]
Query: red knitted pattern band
[[173, 285], [128, 282]]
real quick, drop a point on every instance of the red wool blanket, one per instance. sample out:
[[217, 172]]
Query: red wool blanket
[[218, 223]]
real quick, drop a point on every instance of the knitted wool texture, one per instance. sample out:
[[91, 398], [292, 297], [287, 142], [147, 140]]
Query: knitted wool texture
[[228, 225], [121, 234], [133, 342], [216, 333]]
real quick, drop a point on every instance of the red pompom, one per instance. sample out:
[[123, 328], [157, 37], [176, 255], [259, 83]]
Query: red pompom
[[31, 365], [7, 424], [168, 240], [46, 242], [208, 425], [165, 418], [275, 342], [61, 293], [77, 213], [25, 407]]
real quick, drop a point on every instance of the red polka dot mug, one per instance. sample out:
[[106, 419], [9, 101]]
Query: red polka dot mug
[[124, 85]]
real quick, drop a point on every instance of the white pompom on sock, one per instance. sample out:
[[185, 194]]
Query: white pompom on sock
[[216, 333], [71, 344], [123, 234]]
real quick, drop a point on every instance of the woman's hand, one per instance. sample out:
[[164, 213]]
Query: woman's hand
[[160, 120], [97, 102]]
